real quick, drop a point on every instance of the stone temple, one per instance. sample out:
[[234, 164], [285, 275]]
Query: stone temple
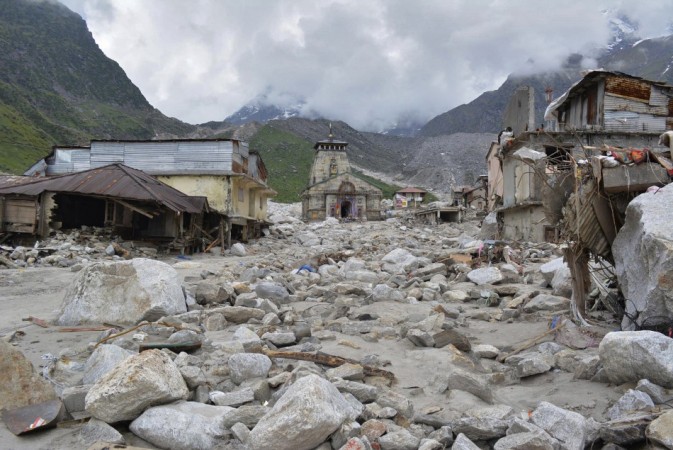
[[334, 191]]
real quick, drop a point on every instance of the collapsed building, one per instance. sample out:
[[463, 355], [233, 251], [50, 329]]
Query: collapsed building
[[603, 144], [224, 171], [334, 190], [134, 204]]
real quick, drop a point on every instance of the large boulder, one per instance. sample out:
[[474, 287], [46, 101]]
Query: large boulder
[[123, 292], [103, 359], [308, 412], [643, 252], [183, 426], [148, 379], [634, 355], [567, 426], [21, 385], [485, 275]]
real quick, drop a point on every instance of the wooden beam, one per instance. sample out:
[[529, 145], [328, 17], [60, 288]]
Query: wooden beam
[[134, 208]]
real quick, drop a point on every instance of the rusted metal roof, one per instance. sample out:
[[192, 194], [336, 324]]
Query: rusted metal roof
[[113, 181]]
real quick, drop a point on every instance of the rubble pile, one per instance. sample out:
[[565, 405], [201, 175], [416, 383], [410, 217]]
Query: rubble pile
[[364, 336], [75, 248]]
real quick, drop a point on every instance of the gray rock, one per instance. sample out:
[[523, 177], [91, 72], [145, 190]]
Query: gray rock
[[545, 302], [235, 398], [346, 371], [243, 366], [624, 433], [657, 393], [96, 430], [526, 441], [549, 269], [240, 314], [421, 338], [566, 426], [480, 428], [399, 440], [661, 430], [308, 412], [534, 363], [275, 292], [249, 415], [384, 293], [123, 292], [562, 283], [280, 338], [182, 426], [443, 435], [240, 431], [147, 379], [364, 276], [363, 392], [73, 397], [629, 403], [462, 442], [401, 404], [207, 292], [643, 259], [238, 249], [634, 355], [485, 351], [485, 275], [468, 381], [102, 360]]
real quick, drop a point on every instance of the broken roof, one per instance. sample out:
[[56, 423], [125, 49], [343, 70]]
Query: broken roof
[[114, 181], [587, 79]]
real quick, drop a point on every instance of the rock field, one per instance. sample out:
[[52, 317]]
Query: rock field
[[386, 335]]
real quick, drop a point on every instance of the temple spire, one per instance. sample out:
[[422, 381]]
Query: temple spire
[[330, 131]]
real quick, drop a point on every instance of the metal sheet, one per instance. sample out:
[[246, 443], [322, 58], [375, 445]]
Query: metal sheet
[[114, 181], [613, 103]]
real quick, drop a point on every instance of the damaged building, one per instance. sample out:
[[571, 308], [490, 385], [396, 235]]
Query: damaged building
[[607, 140], [604, 115], [334, 190], [225, 171], [132, 203]]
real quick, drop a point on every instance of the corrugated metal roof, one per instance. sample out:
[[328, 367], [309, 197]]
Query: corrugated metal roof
[[114, 181]]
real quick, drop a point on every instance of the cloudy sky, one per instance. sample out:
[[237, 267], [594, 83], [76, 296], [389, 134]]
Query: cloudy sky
[[367, 62]]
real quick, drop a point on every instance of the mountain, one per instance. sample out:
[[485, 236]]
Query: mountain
[[261, 109], [648, 58], [57, 87]]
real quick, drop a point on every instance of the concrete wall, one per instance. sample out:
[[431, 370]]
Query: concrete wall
[[524, 224], [215, 187], [520, 111]]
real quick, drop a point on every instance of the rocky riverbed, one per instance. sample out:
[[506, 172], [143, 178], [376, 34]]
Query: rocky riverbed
[[390, 335]]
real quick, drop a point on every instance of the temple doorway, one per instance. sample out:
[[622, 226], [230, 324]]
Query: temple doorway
[[345, 209]]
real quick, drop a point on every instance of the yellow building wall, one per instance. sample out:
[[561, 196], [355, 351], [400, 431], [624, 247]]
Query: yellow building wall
[[248, 199], [214, 187]]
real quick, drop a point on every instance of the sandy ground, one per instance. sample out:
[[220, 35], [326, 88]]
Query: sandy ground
[[39, 292]]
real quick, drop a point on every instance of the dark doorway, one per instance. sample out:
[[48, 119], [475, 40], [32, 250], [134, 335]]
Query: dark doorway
[[345, 208]]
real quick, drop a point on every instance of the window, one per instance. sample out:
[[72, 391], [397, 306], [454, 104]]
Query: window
[[241, 195]]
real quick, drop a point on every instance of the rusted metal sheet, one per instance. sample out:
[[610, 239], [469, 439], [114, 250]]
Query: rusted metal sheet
[[33, 417], [115, 181], [627, 87]]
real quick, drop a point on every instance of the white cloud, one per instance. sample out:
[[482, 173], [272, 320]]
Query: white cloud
[[367, 62]]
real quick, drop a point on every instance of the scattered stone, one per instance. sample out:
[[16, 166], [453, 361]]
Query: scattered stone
[[485, 275], [124, 292], [22, 385], [566, 426], [147, 379], [103, 359], [661, 430], [545, 302], [96, 430], [243, 366], [182, 426], [634, 355], [308, 412], [629, 403]]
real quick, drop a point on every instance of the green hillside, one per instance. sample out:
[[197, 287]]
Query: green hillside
[[57, 87], [288, 160]]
